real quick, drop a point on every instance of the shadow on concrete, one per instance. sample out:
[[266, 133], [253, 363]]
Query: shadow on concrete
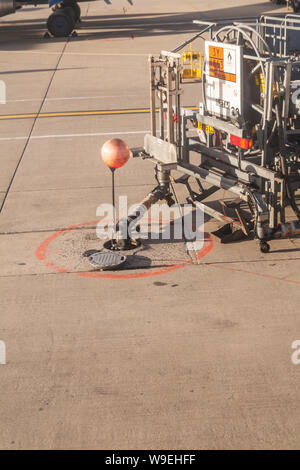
[[30, 31], [13, 72]]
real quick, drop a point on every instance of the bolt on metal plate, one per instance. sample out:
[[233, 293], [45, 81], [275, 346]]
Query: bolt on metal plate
[[107, 260]]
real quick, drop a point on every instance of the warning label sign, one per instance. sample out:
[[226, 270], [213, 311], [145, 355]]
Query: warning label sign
[[222, 63], [223, 84], [230, 61]]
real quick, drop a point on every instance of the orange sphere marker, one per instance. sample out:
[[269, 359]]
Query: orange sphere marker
[[115, 153]]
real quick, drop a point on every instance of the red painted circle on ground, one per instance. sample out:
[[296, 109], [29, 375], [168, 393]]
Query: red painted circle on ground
[[41, 254]]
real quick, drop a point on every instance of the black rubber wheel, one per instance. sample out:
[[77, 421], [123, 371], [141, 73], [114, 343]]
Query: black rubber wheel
[[60, 23], [76, 8], [264, 247], [71, 13]]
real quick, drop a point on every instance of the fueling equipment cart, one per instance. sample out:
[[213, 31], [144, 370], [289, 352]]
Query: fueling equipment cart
[[245, 129]]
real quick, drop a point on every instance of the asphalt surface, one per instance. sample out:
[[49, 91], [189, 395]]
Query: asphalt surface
[[166, 354]]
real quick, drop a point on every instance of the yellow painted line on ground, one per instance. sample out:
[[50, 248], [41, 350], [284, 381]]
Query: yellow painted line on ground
[[79, 113]]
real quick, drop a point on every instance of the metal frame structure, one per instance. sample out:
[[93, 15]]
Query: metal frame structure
[[254, 152]]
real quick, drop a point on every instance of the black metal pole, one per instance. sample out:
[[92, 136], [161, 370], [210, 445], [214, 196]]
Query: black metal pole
[[113, 201]]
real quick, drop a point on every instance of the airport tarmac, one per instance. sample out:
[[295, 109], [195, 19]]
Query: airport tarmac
[[169, 354]]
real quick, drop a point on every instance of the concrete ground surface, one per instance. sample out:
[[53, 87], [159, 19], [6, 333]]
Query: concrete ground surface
[[192, 357]]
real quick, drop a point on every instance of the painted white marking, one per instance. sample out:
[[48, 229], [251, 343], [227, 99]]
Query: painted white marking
[[24, 100], [78, 53], [64, 136], [2, 92]]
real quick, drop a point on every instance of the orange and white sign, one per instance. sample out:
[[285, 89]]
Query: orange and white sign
[[223, 67]]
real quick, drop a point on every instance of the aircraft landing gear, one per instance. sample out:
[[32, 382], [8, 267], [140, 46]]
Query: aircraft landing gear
[[62, 21]]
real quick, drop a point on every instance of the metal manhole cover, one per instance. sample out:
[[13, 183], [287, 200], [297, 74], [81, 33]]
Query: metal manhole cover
[[106, 259]]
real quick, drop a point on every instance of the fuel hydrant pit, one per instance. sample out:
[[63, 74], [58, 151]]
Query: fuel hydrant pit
[[122, 245], [70, 252]]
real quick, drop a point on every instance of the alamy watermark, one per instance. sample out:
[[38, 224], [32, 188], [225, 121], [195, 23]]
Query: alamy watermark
[[296, 354], [2, 92], [2, 353], [178, 222]]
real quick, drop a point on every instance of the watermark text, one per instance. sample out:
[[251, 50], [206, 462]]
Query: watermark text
[[296, 354], [160, 222], [2, 353]]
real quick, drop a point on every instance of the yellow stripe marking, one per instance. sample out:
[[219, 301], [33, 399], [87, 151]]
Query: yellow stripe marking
[[80, 113]]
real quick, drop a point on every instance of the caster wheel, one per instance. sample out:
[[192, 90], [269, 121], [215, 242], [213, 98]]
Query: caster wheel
[[264, 247]]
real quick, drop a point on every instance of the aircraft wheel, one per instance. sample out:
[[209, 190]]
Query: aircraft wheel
[[76, 8], [71, 13], [61, 23]]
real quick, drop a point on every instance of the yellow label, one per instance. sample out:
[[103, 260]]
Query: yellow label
[[205, 128]]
